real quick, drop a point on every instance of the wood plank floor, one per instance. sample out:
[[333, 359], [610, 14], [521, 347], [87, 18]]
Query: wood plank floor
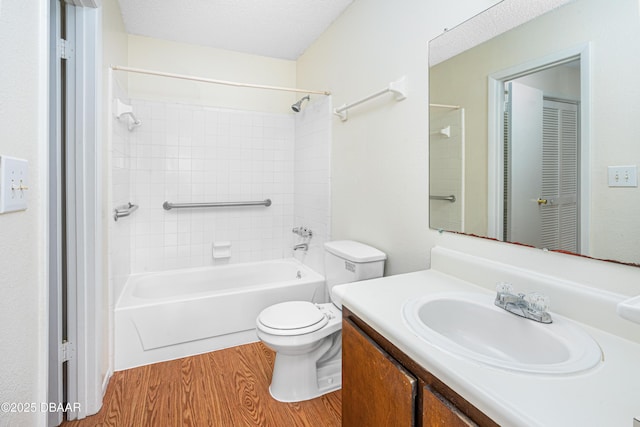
[[222, 388]]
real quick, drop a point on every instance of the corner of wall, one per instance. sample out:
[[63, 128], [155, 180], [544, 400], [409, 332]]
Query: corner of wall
[[114, 52]]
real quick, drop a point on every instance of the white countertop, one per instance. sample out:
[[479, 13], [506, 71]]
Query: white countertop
[[607, 395]]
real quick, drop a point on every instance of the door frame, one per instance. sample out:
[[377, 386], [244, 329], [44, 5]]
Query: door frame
[[495, 151], [85, 354], [54, 245]]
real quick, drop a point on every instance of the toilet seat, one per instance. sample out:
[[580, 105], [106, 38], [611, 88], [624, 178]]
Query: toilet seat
[[292, 318]]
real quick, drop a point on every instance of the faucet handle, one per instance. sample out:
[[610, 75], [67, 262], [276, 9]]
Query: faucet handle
[[302, 232], [504, 288], [537, 301]]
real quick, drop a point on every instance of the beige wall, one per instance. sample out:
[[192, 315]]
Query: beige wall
[[219, 64], [380, 155], [23, 133]]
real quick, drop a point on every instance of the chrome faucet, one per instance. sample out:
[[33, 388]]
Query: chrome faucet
[[303, 246], [532, 306]]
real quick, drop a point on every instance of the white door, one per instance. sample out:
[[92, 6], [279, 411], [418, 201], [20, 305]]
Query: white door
[[524, 176]]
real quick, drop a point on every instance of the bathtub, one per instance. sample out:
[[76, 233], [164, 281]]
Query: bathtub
[[167, 315]]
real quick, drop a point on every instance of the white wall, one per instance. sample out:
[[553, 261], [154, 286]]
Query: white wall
[[558, 82], [201, 61], [23, 282], [379, 158]]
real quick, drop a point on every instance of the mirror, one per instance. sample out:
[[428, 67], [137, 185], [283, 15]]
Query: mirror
[[535, 133]]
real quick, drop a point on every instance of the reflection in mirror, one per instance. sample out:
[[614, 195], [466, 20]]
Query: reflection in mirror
[[524, 128], [446, 161], [540, 158]]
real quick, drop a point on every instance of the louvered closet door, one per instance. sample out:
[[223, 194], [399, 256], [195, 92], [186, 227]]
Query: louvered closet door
[[559, 216]]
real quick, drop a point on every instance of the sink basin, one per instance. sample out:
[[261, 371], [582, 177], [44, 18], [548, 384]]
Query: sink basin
[[470, 326]]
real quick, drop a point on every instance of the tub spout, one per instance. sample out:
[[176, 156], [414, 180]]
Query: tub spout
[[303, 246]]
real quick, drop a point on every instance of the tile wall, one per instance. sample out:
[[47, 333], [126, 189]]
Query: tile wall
[[446, 168], [186, 153], [120, 231], [312, 183]]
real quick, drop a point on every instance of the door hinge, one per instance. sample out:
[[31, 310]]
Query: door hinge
[[506, 104], [64, 49], [67, 351]]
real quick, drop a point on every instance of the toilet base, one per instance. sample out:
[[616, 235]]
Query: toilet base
[[330, 376], [297, 378]]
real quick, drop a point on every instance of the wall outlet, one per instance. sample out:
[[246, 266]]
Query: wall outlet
[[14, 184], [623, 176]]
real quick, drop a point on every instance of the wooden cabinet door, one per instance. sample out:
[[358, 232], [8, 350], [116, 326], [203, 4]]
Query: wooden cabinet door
[[376, 390], [439, 412]]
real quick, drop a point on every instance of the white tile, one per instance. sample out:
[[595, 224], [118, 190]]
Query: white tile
[[210, 154]]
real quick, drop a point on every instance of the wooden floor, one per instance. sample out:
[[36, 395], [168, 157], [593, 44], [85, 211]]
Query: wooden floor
[[223, 388]]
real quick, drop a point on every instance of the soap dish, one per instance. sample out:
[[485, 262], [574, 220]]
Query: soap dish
[[630, 309]]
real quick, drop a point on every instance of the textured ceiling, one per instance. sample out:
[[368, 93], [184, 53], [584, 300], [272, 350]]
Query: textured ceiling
[[275, 28]]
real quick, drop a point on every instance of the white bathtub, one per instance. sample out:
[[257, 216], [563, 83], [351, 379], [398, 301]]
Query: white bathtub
[[168, 315]]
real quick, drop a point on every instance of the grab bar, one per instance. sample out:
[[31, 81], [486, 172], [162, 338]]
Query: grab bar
[[124, 210], [450, 198], [168, 206]]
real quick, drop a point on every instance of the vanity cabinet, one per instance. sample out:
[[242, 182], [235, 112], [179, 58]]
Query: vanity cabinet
[[379, 391], [381, 386], [438, 411]]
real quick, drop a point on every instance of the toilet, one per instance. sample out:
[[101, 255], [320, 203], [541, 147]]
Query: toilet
[[307, 337]]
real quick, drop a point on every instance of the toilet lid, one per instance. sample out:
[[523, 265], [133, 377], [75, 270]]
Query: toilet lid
[[293, 317]]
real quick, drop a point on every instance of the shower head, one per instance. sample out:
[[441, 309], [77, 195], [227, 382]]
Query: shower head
[[298, 105]]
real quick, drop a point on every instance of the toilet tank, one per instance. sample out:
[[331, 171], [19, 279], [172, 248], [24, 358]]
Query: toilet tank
[[347, 261]]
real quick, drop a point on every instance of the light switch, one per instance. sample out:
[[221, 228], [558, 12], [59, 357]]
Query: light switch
[[14, 184], [623, 176]]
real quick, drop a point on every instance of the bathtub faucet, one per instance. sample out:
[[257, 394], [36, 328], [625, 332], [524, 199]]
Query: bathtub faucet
[[303, 246]]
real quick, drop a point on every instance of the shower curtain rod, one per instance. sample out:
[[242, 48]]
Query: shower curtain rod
[[220, 82]]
